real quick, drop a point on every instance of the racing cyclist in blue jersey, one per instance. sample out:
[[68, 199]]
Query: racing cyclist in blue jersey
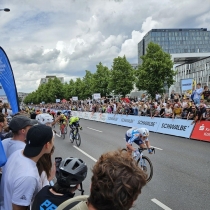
[[140, 137]]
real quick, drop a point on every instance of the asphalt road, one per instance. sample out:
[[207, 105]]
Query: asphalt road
[[181, 177]]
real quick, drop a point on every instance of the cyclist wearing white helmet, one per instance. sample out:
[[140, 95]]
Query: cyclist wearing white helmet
[[46, 119], [139, 136]]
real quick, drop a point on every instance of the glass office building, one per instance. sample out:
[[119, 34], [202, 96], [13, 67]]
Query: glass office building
[[177, 41]]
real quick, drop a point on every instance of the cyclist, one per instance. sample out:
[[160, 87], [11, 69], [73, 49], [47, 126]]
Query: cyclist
[[74, 122], [70, 173], [47, 119], [63, 121], [140, 137]]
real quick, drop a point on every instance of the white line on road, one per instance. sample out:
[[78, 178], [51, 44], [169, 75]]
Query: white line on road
[[94, 129], [163, 206], [85, 153], [157, 148], [154, 147]]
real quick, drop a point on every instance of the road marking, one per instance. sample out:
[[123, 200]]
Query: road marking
[[94, 129], [163, 206], [85, 153], [157, 148], [154, 147]]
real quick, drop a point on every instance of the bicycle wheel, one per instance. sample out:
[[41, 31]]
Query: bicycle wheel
[[78, 139], [65, 130], [71, 137], [146, 165]]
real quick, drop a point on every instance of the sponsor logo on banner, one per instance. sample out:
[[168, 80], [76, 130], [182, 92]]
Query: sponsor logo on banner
[[175, 127], [201, 131], [127, 120], [141, 122], [113, 118]]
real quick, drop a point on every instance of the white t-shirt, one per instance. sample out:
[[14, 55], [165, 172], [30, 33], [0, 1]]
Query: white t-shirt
[[11, 146], [44, 180], [20, 181], [168, 111]]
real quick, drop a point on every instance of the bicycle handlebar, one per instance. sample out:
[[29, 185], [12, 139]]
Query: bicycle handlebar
[[142, 149]]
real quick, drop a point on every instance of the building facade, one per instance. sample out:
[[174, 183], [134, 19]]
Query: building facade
[[199, 70], [46, 79], [185, 45]]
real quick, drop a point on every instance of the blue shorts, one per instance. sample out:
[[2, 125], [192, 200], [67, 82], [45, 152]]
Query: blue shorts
[[137, 141]]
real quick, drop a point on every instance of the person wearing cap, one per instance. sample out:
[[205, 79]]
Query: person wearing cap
[[20, 179], [19, 125]]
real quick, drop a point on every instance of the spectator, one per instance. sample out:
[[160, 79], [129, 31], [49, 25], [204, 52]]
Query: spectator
[[177, 111], [172, 95], [168, 111], [208, 113], [192, 114], [70, 173], [197, 94], [200, 113], [20, 179], [19, 126], [186, 110], [116, 183], [3, 124], [206, 93]]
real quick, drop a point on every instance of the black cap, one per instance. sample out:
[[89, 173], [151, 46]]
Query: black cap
[[36, 138], [19, 122]]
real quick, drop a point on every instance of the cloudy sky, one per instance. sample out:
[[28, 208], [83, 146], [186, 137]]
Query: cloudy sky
[[67, 37]]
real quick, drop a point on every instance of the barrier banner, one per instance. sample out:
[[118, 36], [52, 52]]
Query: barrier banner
[[150, 123], [201, 131], [101, 117], [123, 120], [93, 116], [74, 113], [113, 119], [80, 114], [176, 127], [86, 115]]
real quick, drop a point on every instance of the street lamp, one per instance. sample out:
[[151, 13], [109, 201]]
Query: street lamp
[[5, 9]]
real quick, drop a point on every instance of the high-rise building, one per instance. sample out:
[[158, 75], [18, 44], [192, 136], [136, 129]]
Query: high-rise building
[[184, 45], [46, 79]]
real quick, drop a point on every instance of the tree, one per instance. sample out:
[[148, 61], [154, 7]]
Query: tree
[[122, 77], [87, 85], [155, 71], [101, 80]]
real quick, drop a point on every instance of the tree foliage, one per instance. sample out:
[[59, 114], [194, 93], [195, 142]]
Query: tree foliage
[[156, 71], [101, 80], [122, 77]]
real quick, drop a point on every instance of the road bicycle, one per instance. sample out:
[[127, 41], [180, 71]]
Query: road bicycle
[[144, 162], [74, 135], [63, 131]]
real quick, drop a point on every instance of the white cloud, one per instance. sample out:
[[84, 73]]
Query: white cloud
[[67, 37]]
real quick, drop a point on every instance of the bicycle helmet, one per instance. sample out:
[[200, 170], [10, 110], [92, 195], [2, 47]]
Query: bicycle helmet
[[72, 171], [44, 118], [144, 132]]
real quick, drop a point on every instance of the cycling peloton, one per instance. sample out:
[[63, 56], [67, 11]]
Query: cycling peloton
[[140, 137]]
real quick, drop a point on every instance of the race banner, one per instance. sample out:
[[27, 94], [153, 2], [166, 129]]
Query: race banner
[[7, 81]]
